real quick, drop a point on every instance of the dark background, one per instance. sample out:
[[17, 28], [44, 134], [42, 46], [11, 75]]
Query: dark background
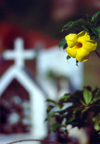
[[47, 16]]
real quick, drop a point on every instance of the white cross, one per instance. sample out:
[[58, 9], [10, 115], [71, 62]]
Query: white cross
[[19, 54]]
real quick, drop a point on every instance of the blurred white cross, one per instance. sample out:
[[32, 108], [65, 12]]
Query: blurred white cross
[[19, 54]]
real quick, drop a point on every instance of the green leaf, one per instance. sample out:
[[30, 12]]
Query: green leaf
[[69, 24], [94, 17], [62, 43], [77, 109], [50, 115], [82, 102], [72, 119], [88, 16], [54, 126], [98, 31], [94, 30], [63, 100], [76, 25], [62, 30], [96, 121], [54, 102], [49, 108], [85, 28], [87, 95], [98, 92], [83, 21], [68, 57]]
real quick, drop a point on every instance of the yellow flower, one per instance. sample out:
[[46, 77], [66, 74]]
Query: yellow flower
[[80, 46]]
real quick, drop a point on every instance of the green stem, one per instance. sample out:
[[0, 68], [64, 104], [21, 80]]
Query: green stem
[[97, 53], [34, 140]]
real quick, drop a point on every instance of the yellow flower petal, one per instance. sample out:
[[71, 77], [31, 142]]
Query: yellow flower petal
[[71, 39], [71, 51], [82, 55], [83, 36], [90, 45], [80, 46]]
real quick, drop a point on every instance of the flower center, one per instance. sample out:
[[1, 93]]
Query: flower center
[[78, 45]]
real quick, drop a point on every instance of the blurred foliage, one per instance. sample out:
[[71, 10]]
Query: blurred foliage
[[74, 109], [82, 104], [91, 25]]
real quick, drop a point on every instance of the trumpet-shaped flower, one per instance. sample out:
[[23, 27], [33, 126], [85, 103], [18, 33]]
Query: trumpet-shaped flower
[[80, 45]]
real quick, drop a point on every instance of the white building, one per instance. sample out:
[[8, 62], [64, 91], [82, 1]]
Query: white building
[[40, 88], [36, 93]]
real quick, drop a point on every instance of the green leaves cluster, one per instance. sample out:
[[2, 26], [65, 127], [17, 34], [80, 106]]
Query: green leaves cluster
[[83, 104], [91, 25]]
